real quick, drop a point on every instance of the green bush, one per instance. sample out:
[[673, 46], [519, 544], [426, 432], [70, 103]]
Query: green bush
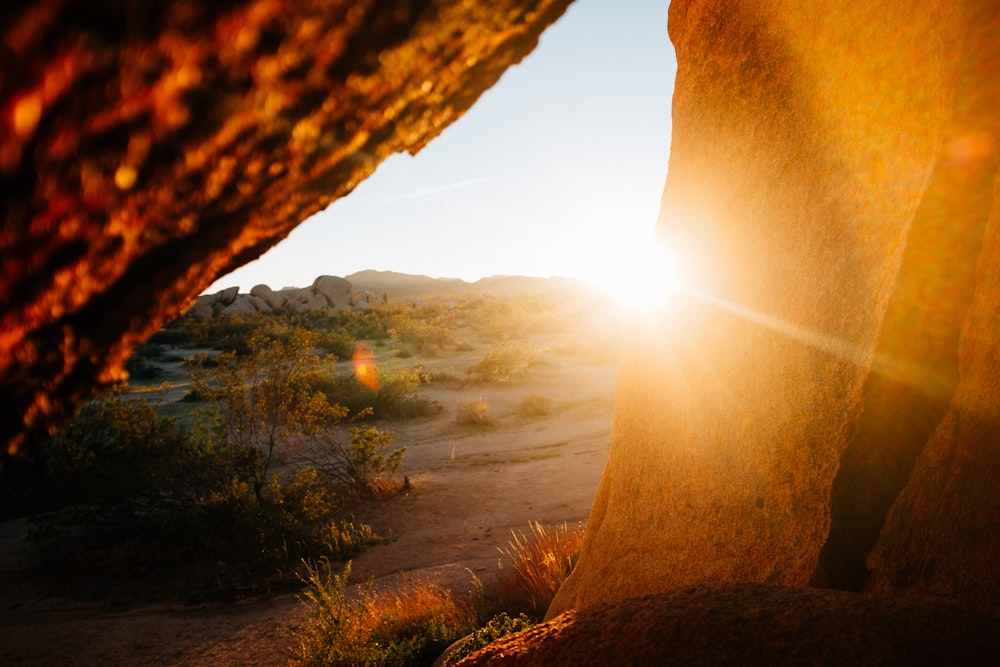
[[504, 360], [397, 397], [116, 462], [141, 363], [496, 628], [422, 337], [366, 466]]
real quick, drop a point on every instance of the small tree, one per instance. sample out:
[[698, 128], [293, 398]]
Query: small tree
[[264, 402], [269, 404], [367, 465]]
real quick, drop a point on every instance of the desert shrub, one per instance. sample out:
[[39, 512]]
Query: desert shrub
[[361, 324], [276, 401], [221, 492], [141, 364], [337, 342], [231, 333], [537, 565], [397, 396], [264, 402], [169, 336], [503, 360], [193, 396], [423, 337], [536, 405], [408, 627], [508, 317], [496, 628], [473, 413], [119, 475], [366, 465], [116, 462], [497, 318]]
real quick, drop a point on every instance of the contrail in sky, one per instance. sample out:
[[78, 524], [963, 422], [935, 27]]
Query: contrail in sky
[[441, 188]]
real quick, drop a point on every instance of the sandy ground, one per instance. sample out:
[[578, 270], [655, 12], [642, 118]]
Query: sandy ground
[[470, 488]]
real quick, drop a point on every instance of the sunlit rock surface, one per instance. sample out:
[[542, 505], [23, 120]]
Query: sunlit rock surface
[[147, 148], [832, 173]]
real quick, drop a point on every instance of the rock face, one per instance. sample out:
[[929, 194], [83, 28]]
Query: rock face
[[752, 624], [819, 403], [148, 148]]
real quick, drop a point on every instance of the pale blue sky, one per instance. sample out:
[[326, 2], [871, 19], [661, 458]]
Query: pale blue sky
[[557, 170]]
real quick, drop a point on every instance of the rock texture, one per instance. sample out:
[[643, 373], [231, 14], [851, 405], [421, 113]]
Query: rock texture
[[832, 174], [752, 624], [328, 293], [147, 148]]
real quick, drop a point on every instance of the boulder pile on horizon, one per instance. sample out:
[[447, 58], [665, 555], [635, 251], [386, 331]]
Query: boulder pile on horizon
[[330, 293]]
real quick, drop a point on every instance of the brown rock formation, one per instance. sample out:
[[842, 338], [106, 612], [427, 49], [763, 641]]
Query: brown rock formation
[[819, 403], [147, 148], [752, 624], [832, 171]]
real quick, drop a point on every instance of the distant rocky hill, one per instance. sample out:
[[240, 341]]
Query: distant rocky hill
[[364, 289], [405, 284]]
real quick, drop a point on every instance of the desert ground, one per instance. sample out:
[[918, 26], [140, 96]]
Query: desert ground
[[470, 488]]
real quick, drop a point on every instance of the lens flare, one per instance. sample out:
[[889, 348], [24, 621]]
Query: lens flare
[[365, 369], [642, 279]]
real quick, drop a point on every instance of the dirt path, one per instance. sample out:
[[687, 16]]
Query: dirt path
[[471, 487]]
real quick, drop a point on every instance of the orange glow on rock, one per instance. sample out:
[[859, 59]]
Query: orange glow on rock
[[27, 113], [365, 369]]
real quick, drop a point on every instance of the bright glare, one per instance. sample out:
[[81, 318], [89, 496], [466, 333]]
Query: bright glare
[[642, 279]]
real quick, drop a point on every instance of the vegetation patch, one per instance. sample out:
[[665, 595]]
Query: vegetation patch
[[496, 628], [504, 360], [536, 405], [264, 475], [473, 413], [537, 564], [408, 627], [412, 625]]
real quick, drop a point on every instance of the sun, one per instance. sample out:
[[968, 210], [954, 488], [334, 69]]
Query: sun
[[642, 278]]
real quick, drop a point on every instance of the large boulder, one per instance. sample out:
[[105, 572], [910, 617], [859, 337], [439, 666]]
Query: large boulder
[[240, 306], [276, 301], [832, 173], [336, 290], [148, 148]]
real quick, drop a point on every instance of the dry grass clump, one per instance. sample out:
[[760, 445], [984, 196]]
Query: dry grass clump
[[536, 405], [473, 413], [415, 623], [537, 566], [410, 626]]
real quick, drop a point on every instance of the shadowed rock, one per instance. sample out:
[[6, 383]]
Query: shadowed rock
[[753, 624]]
